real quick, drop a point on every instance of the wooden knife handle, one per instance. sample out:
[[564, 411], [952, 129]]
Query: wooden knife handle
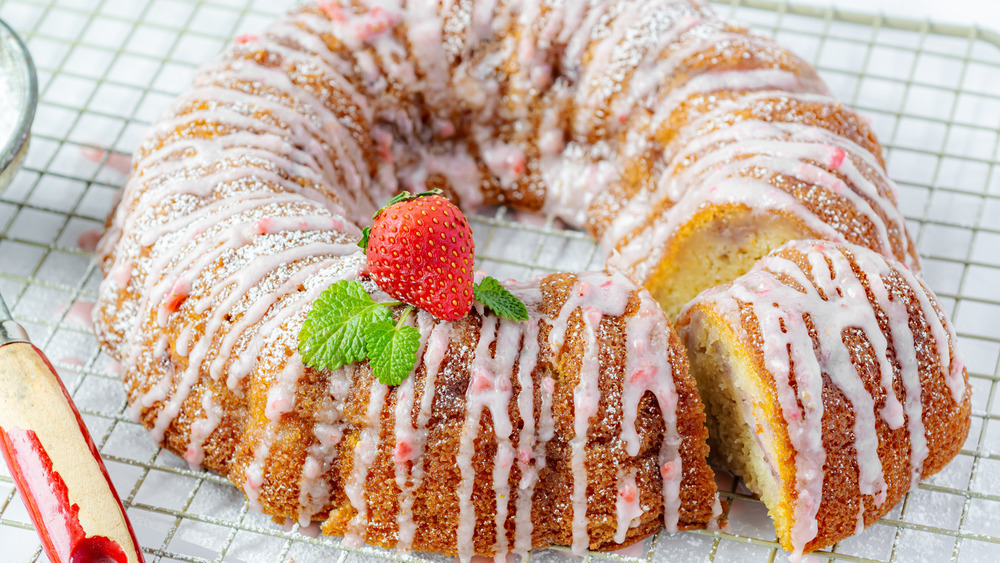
[[56, 467]]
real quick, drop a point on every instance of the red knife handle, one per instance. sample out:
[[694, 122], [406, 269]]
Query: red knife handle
[[56, 467]]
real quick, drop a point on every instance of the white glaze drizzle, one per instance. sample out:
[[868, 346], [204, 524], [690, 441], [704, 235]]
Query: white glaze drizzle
[[404, 456], [628, 510], [434, 354], [596, 294], [530, 444], [201, 429], [328, 431], [723, 175], [508, 345], [292, 370], [586, 397], [649, 368], [481, 384], [364, 455]]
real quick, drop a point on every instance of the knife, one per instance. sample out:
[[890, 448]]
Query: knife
[[54, 462]]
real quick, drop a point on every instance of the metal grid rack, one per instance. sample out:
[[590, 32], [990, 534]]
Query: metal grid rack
[[108, 67]]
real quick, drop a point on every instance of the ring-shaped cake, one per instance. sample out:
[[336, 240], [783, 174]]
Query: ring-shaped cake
[[688, 146]]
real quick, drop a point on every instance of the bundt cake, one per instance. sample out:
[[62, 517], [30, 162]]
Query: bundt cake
[[688, 146], [832, 385]]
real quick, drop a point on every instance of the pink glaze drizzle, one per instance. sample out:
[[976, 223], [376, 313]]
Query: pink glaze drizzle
[[481, 394], [725, 162], [405, 450], [627, 505], [364, 455], [649, 367], [595, 294]]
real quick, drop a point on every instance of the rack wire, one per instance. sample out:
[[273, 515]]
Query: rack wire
[[108, 67]]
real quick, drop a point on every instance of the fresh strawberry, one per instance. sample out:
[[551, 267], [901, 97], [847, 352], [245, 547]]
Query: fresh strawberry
[[420, 250]]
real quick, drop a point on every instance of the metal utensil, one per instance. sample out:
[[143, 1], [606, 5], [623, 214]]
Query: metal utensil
[[18, 97], [54, 461]]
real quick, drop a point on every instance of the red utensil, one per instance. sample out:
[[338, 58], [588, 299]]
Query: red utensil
[[54, 461]]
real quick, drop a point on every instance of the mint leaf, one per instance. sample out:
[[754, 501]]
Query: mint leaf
[[393, 351], [334, 333], [489, 292], [363, 243]]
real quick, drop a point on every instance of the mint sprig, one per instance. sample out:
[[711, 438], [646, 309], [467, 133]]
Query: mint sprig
[[500, 300], [346, 325], [334, 332]]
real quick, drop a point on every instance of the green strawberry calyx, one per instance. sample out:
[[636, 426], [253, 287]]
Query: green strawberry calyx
[[398, 198]]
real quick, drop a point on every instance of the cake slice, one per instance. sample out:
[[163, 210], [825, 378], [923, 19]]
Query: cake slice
[[831, 385]]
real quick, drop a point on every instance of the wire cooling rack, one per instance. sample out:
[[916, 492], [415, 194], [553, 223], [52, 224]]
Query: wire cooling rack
[[108, 67]]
